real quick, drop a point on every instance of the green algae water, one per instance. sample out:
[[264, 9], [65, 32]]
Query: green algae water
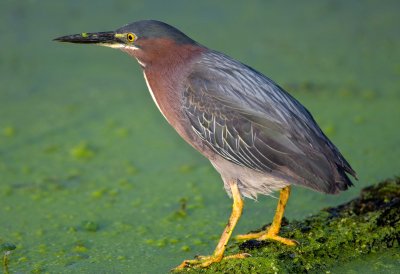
[[94, 180]]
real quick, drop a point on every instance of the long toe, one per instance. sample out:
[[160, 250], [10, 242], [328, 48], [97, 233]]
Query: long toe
[[199, 262], [250, 236], [268, 236], [205, 261]]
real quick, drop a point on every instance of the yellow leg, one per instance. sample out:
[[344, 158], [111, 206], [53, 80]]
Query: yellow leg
[[218, 255], [272, 232]]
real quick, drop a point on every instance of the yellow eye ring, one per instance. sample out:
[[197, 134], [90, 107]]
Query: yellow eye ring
[[130, 37]]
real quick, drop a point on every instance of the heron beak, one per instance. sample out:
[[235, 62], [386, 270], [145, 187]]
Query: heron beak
[[108, 38]]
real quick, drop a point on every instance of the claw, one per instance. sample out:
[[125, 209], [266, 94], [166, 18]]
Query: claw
[[205, 261]]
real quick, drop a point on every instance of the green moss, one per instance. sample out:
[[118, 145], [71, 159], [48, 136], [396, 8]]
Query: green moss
[[80, 248], [367, 224], [329, 130], [99, 193], [90, 226], [22, 259], [197, 242], [369, 95], [345, 92], [122, 132], [6, 191], [51, 148], [161, 243], [150, 241], [42, 249], [38, 268], [82, 151], [359, 119], [121, 258], [131, 169], [113, 192], [186, 168], [173, 241], [185, 248], [9, 131], [182, 211]]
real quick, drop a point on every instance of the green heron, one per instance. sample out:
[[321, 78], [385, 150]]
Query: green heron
[[256, 135]]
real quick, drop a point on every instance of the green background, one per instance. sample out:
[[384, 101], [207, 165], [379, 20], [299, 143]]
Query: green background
[[92, 178]]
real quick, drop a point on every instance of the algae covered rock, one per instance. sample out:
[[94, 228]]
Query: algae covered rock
[[366, 224]]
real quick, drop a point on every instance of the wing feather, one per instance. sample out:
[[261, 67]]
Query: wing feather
[[249, 120]]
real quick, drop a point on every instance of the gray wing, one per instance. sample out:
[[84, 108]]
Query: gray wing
[[249, 120]]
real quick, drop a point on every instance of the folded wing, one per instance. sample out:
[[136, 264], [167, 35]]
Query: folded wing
[[249, 120]]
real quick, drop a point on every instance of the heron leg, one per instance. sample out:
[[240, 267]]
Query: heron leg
[[272, 231], [218, 255]]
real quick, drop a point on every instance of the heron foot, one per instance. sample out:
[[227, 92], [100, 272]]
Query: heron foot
[[205, 261], [266, 235]]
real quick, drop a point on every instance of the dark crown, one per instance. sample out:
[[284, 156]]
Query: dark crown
[[156, 29]]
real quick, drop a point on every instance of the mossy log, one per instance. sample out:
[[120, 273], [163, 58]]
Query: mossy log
[[367, 224]]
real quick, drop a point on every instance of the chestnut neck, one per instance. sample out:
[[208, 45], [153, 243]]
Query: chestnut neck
[[166, 66], [164, 56]]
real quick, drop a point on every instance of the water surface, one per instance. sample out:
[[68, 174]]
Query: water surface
[[93, 179]]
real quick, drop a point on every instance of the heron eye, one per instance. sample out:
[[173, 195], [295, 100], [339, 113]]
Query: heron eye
[[130, 37]]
